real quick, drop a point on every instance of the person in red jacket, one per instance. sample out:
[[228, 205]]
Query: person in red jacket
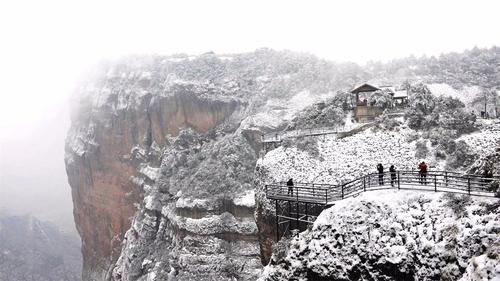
[[422, 167]]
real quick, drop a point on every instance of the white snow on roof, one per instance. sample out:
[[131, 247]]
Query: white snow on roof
[[362, 84]]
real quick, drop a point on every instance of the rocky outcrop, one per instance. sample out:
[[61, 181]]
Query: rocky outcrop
[[196, 223], [396, 235], [162, 151], [107, 147]]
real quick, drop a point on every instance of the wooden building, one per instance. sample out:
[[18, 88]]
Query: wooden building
[[364, 111]]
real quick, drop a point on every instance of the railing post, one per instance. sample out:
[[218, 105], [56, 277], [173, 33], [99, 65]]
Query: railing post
[[326, 197], [399, 185], [277, 223], [468, 184], [298, 227], [305, 210], [342, 186], [364, 183], [435, 183], [446, 178]]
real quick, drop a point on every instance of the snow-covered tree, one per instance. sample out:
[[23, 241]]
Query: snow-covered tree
[[487, 99]]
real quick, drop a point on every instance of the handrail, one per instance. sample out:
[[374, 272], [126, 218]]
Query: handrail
[[444, 181], [277, 137]]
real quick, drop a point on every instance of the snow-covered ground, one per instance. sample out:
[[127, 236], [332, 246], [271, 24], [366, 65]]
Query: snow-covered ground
[[485, 141], [348, 158], [466, 95], [277, 111], [342, 159], [396, 235]]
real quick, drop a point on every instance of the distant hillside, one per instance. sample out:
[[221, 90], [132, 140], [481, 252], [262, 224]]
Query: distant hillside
[[479, 67], [34, 250]]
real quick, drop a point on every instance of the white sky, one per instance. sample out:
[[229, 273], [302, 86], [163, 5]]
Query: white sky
[[45, 45]]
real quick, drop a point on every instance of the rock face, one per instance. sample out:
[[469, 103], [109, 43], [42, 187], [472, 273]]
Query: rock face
[[100, 176], [162, 151], [196, 223], [161, 157]]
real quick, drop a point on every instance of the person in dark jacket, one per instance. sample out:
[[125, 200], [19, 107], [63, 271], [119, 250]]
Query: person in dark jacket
[[422, 167], [380, 170], [289, 183], [392, 170], [487, 174]]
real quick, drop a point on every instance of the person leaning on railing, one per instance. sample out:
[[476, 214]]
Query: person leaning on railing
[[422, 167]]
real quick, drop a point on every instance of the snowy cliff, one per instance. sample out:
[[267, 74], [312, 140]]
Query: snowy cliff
[[161, 153], [162, 158], [333, 160]]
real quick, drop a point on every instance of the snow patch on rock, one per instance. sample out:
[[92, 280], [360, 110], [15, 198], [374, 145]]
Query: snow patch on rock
[[246, 200]]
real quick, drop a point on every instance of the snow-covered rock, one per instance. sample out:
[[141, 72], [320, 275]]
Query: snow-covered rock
[[396, 235]]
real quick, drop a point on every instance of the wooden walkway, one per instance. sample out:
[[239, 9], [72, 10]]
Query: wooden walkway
[[298, 206]]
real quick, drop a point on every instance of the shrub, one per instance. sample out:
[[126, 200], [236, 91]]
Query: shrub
[[386, 123], [445, 144], [280, 250], [461, 157], [231, 269], [329, 113], [457, 203], [309, 145], [427, 112], [421, 149]]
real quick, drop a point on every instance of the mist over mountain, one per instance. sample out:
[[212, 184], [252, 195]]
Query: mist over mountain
[[34, 250]]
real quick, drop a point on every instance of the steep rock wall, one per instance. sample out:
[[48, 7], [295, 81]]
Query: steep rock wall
[[196, 221], [129, 146], [105, 147]]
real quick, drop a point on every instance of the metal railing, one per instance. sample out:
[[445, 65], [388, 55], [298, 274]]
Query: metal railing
[[437, 181], [277, 137]]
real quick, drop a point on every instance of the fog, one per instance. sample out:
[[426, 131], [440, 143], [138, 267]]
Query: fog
[[47, 45]]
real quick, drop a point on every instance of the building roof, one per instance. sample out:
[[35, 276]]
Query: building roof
[[364, 88], [388, 88]]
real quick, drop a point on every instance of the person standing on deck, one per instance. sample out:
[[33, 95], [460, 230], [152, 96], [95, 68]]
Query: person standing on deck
[[380, 170], [289, 183], [422, 167], [392, 170]]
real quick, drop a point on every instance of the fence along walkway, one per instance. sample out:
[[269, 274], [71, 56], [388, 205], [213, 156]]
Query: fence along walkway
[[339, 130], [438, 181]]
